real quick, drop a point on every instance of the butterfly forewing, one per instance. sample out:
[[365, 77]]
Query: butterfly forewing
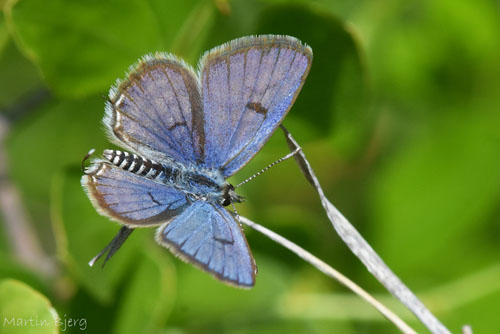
[[156, 111], [248, 86], [206, 235], [130, 199]]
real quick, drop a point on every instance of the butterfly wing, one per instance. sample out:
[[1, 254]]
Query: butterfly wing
[[156, 111], [206, 235], [130, 199], [248, 86]]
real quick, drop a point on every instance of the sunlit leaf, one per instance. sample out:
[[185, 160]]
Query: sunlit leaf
[[431, 52], [82, 47], [24, 310]]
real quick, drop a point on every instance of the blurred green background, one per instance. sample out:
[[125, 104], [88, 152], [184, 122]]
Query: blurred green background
[[399, 117]]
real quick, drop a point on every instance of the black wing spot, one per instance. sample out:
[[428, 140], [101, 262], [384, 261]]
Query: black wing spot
[[224, 241], [257, 107]]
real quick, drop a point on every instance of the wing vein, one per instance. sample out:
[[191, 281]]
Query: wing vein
[[174, 142], [181, 111], [256, 132], [170, 142], [231, 139]]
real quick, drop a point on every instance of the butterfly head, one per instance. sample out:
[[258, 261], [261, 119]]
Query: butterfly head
[[229, 195]]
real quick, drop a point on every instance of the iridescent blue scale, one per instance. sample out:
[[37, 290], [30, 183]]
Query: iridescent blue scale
[[187, 131]]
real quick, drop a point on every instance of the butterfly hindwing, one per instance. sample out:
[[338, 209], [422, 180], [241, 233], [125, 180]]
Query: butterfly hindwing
[[130, 199], [156, 111], [248, 86], [206, 235]]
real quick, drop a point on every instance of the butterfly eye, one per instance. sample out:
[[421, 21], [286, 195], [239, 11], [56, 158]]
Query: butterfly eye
[[229, 195]]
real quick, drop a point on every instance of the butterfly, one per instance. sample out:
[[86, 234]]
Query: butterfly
[[184, 133]]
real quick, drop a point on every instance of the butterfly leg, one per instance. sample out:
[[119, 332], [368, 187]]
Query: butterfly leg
[[113, 246]]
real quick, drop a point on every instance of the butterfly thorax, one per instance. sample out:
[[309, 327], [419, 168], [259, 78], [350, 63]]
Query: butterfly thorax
[[197, 184]]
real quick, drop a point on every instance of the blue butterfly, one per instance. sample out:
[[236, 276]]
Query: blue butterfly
[[189, 131]]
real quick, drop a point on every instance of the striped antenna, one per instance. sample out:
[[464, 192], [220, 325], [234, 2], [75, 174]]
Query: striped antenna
[[236, 215], [286, 157]]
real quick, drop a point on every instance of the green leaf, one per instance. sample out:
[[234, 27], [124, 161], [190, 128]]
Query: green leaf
[[188, 43], [82, 47], [24, 310], [431, 51], [4, 34], [197, 292], [432, 198], [11, 268], [54, 135], [481, 314], [81, 233], [149, 295], [20, 82]]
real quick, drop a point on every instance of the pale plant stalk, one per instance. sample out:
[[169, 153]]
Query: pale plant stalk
[[360, 247], [331, 272]]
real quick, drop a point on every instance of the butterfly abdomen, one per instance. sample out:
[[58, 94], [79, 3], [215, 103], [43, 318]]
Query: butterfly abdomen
[[134, 163], [191, 181]]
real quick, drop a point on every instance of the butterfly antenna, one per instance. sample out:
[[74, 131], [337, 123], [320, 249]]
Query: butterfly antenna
[[236, 215], [286, 157], [85, 158]]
